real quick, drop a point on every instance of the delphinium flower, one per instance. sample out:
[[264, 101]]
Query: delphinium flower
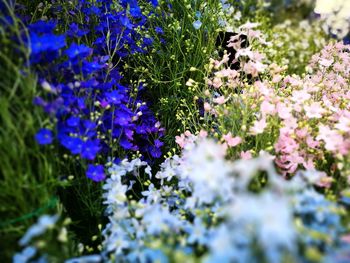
[[47, 240], [44, 223], [44, 136], [168, 220], [93, 113], [172, 217]]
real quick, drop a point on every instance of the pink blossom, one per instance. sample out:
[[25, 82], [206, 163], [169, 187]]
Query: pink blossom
[[180, 140], [232, 141], [246, 155], [325, 181], [244, 52], [283, 111], [188, 133], [276, 78], [286, 144], [300, 96], [301, 133], [258, 127], [219, 100], [309, 164], [207, 106], [333, 140], [254, 68], [267, 108], [325, 62], [203, 134], [311, 142], [343, 124], [315, 110], [217, 83]]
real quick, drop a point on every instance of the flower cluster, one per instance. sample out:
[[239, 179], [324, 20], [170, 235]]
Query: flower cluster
[[186, 211], [301, 120], [335, 16], [80, 71]]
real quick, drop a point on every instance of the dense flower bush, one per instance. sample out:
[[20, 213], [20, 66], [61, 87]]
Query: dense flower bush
[[301, 120], [218, 130], [93, 113]]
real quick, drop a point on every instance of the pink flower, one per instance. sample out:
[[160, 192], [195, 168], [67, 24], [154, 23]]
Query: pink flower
[[220, 100], [217, 83], [325, 181], [254, 68], [325, 62], [207, 106], [289, 125], [258, 127], [343, 124], [315, 110], [283, 111], [333, 140], [188, 133], [267, 108], [246, 155], [203, 134], [232, 141], [301, 133], [309, 165], [180, 140], [286, 144], [300, 96], [276, 78], [311, 142], [245, 52]]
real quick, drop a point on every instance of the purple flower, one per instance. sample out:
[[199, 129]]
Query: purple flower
[[73, 121], [90, 149], [76, 50], [95, 172], [73, 144], [155, 152], [158, 143], [125, 22], [44, 43], [159, 30], [114, 97], [44, 136]]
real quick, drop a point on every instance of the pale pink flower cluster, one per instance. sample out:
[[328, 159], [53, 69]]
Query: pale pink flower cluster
[[187, 139], [305, 118]]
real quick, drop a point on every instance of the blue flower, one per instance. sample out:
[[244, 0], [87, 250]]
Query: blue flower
[[42, 27], [90, 149], [95, 172], [73, 144], [76, 50], [75, 31], [73, 121], [154, 3], [44, 222], [159, 30], [197, 24], [126, 22], [44, 136], [45, 43], [114, 97]]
